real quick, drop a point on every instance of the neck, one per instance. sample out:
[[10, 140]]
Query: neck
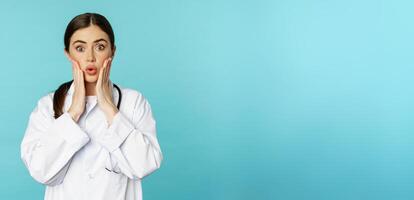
[[90, 89]]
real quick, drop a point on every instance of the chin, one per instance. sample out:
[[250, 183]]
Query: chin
[[90, 79]]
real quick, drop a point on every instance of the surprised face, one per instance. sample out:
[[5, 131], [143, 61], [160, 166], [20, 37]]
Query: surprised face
[[90, 47]]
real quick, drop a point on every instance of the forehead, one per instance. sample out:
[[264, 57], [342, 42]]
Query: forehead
[[89, 34]]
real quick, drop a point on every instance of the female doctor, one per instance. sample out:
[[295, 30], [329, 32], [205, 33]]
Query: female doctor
[[91, 139]]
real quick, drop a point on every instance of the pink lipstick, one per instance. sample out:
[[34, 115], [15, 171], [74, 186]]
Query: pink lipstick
[[91, 70]]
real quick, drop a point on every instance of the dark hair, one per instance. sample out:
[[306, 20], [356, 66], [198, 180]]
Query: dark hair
[[79, 22]]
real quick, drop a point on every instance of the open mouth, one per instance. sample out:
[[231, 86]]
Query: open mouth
[[91, 70]]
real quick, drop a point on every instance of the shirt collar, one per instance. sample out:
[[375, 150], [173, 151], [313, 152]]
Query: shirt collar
[[115, 94]]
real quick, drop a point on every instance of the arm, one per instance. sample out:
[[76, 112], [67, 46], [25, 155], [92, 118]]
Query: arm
[[49, 144], [133, 144]]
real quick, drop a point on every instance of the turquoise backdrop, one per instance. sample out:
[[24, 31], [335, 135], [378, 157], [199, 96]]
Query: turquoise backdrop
[[254, 99]]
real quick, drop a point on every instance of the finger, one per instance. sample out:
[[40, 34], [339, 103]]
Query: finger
[[105, 74], [108, 71], [98, 82], [79, 75], [74, 73], [105, 64], [81, 78], [77, 68], [76, 64]]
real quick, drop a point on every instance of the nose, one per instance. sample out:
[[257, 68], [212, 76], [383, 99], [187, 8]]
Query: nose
[[90, 56]]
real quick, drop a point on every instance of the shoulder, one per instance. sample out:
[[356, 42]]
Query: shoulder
[[133, 97], [46, 101], [47, 98], [131, 93], [44, 106], [135, 105]]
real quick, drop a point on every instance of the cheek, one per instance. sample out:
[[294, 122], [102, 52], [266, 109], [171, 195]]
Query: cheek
[[101, 59], [99, 63], [76, 56]]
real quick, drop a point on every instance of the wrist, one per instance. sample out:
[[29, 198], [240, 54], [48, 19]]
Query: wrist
[[111, 114], [74, 116]]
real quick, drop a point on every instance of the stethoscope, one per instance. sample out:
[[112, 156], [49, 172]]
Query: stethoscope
[[119, 96]]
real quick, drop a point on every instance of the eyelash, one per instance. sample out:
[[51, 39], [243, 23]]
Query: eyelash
[[100, 47], [79, 48]]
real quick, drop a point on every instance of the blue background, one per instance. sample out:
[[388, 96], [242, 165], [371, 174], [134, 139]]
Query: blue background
[[253, 99]]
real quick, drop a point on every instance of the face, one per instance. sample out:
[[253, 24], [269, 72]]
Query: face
[[90, 47]]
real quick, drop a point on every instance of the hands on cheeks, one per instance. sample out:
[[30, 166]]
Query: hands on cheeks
[[103, 91], [78, 98]]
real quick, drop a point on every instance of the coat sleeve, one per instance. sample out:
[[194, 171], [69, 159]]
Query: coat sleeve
[[133, 144], [49, 144]]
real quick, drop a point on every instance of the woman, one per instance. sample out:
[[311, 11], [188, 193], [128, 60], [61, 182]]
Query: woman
[[91, 139]]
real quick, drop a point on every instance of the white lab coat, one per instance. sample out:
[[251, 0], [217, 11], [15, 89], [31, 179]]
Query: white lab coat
[[90, 160]]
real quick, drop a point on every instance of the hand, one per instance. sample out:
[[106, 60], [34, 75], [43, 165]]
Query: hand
[[104, 91], [78, 99]]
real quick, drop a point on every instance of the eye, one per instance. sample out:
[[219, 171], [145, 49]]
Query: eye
[[80, 49], [100, 47]]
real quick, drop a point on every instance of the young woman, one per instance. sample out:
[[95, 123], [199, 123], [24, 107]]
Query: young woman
[[91, 139]]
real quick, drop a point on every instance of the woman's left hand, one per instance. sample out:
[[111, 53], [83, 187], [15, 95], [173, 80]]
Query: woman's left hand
[[104, 92]]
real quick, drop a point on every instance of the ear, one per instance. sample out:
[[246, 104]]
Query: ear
[[67, 55], [113, 52]]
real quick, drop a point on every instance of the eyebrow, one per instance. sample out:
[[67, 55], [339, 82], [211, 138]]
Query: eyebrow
[[98, 40]]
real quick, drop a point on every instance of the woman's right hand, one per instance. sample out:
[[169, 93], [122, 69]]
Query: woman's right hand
[[78, 98]]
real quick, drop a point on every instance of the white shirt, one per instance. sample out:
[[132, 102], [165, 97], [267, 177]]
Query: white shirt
[[89, 160]]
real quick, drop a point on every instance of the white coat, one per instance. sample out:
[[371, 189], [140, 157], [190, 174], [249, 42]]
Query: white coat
[[89, 160]]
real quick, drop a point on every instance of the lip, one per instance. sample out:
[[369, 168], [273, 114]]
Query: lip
[[91, 70]]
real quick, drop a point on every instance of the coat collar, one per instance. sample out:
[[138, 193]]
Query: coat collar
[[68, 100]]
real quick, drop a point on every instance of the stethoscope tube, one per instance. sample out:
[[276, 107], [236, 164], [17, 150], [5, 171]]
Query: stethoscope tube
[[119, 96]]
